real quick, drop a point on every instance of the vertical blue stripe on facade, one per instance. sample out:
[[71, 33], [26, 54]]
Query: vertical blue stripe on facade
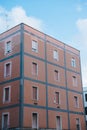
[[46, 74], [21, 77], [66, 88]]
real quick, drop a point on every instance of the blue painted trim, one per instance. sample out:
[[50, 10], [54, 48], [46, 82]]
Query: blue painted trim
[[21, 77], [38, 81], [9, 57], [51, 85], [9, 106], [45, 60], [67, 103], [46, 79], [40, 107], [53, 109], [11, 80], [52, 42], [30, 55], [9, 35]]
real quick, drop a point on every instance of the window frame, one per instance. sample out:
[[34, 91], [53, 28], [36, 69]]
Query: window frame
[[73, 62], [56, 75], [10, 50], [33, 93], [60, 122], [76, 103], [74, 78], [36, 73], [37, 119], [55, 55], [5, 75], [34, 46], [8, 122], [77, 119], [85, 97], [9, 96], [55, 100]]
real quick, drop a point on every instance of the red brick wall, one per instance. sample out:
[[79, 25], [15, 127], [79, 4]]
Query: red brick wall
[[28, 117], [15, 68], [13, 116]]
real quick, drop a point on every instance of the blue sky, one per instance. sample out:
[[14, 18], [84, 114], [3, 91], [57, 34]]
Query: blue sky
[[65, 20]]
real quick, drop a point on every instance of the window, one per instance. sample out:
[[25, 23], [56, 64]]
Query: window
[[35, 93], [77, 124], [5, 120], [57, 98], [86, 97], [73, 62], [34, 46], [58, 123], [8, 47], [7, 69], [74, 80], [34, 120], [35, 69], [76, 101], [6, 94], [55, 54], [56, 75], [86, 110]]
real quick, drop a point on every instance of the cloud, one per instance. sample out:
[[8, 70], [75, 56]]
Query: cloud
[[81, 39], [16, 16], [82, 30], [79, 8]]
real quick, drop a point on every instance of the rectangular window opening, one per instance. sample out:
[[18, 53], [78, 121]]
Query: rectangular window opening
[[76, 101], [34, 46], [35, 93], [56, 74], [86, 97], [8, 47], [35, 69], [7, 69], [5, 121], [57, 98], [55, 54], [34, 120], [74, 80], [77, 124], [58, 123], [73, 62]]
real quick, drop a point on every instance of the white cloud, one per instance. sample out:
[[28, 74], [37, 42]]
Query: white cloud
[[79, 8], [16, 16], [81, 39]]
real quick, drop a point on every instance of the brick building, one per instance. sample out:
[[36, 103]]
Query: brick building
[[40, 81]]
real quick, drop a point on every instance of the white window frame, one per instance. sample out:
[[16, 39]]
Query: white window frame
[[60, 121], [5, 69], [34, 46], [77, 102], [74, 78], [37, 119], [55, 97], [58, 78], [10, 50], [37, 93], [9, 94], [55, 55], [6, 113], [79, 122], [73, 62]]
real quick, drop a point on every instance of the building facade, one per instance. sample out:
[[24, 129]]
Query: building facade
[[85, 102], [40, 82]]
